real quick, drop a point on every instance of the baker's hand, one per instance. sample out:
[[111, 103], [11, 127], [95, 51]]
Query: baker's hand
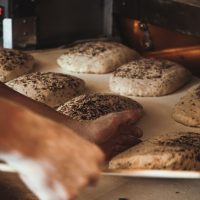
[[54, 162], [115, 132]]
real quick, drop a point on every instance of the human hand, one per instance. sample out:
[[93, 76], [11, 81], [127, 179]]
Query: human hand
[[54, 162], [115, 132]]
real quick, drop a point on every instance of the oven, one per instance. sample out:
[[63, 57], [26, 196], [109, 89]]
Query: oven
[[157, 28], [166, 29], [46, 23]]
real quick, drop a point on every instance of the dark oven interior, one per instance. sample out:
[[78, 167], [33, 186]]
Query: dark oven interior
[[158, 28]]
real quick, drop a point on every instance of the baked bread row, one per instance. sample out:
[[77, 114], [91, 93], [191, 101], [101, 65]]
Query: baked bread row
[[134, 76]]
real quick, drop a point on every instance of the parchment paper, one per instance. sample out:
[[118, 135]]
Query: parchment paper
[[158, 110], [157, 120]]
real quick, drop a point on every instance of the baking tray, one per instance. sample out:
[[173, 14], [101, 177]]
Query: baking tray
[[156, 121], [164, 174]]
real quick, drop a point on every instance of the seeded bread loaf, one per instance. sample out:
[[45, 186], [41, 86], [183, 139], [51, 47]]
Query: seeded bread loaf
[[14, 63], [148, 77], [93, 106], [96, 57], [52, 89], [175, 151], [187, 110]]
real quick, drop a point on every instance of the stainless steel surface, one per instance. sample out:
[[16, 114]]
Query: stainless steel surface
[[19, 32], [24, 32], [7, 33]]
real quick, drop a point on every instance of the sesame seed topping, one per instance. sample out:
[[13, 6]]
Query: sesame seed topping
[[92, 106], [143, 69], [91, 49], [10, 59], [50, 88]]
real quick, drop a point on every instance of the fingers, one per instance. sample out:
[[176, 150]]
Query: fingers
[[128, 116], [73, 177], [131, 129], [109, 126], [118, 145], [97, 154], [121, 117], [79, 178], [113, 121], [127, 137], [82, 169]]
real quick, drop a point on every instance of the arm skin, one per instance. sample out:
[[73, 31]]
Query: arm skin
[[31, 132], [111, 130], [37, 107], [47, 155]]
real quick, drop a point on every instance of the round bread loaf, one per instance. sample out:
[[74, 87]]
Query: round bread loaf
[[187, 110], [175, 151], [93, 106], [149, 77], [14, 63], [52, 89], [96, 57]]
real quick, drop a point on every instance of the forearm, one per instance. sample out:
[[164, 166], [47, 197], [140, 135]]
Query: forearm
[[46, 154], [37, 107], [22, 128], [14, 133]]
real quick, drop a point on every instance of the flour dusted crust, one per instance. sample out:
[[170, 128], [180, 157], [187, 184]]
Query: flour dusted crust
[[14, 63], [187, 110], [93, 106], [148, 77], [50, 88], [175, 151], [96, 57]]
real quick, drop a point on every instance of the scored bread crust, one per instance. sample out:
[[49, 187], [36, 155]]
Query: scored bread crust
[[52, 89], [14, 63], [93, 106], [175, 151], [96, 57], [148, 77], [187, 110]]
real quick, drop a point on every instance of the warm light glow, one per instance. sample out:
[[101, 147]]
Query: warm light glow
[[135, 25], [1, 11]]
